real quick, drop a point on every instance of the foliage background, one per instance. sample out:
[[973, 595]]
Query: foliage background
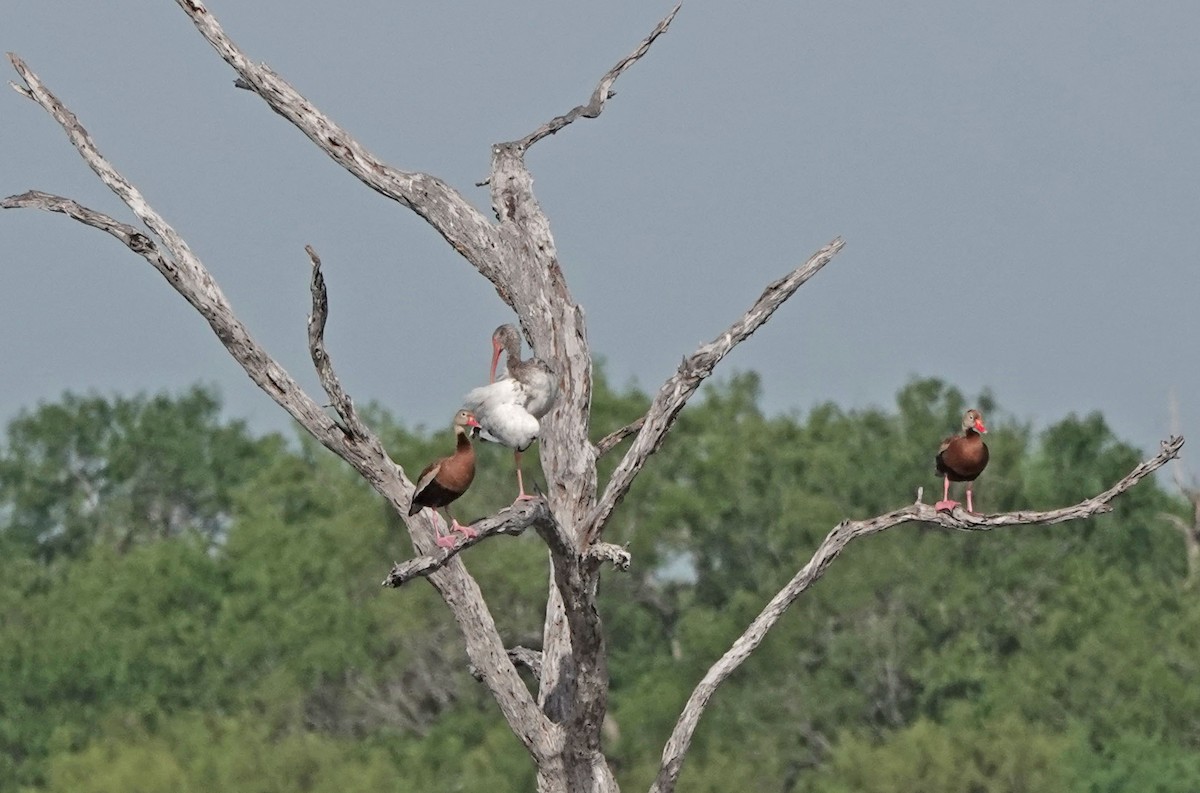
[[187, 605]]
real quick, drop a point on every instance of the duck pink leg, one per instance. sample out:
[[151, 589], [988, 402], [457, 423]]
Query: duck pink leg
[[521, 494], [466, 531], [969, 507], [448, 540], [946, 504], [442, 540]]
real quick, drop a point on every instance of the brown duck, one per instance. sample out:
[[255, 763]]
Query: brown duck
[[961, 458], [445, 480]]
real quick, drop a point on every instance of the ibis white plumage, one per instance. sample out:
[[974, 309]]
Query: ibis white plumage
[[509, 409]]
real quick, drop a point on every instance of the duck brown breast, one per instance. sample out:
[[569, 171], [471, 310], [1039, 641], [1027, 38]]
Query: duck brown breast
[[963, 458]]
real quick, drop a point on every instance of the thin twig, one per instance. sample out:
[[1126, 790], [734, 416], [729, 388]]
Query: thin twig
[[338, 397], [833, 544], [694, 369], [603, 90], [614, 438]]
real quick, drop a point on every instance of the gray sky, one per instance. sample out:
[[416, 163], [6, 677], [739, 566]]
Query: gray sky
[[1018, 184]]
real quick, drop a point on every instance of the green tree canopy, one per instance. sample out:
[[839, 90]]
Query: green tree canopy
[[247, 645], [121, 471]]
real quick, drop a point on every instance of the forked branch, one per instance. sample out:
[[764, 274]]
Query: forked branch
[[829, 549], [694, 369], [443, 207]]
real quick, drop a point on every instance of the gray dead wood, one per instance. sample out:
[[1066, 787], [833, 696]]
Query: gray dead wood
[[560, 724]]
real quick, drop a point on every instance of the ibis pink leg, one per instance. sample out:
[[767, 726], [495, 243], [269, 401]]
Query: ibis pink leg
[[521, 494], [946, 504]]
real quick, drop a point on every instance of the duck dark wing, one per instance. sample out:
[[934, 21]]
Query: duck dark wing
[[962, 458], [422, 490], [938, 464]]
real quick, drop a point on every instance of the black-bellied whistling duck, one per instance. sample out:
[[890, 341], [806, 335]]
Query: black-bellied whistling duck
[[963, 457], [446, 479], [508, 409]]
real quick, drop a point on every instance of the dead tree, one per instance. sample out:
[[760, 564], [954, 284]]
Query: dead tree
[[558, 720]]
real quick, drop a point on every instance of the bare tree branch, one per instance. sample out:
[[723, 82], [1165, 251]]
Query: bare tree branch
[[530, 659], [338, 397], [20, 89], [189, 278], [601, 552], [604, 90], [694, 369], [829, 549], [612, 439], [513, 521], [443, 207], [520, 656]]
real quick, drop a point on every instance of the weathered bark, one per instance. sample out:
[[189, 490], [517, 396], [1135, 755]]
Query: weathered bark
[[560, 725]]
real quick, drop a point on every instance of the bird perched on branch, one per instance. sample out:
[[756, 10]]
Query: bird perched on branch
[[446, 479], [961, 458], [509, 409]]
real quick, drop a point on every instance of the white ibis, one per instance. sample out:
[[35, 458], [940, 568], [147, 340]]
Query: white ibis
[[446, 479], [508, 409], [961, 458]]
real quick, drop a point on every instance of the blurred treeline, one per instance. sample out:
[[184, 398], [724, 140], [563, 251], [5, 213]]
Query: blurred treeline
[[187, 606]]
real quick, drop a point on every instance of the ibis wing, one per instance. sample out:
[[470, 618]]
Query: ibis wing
[[540, 387], [500, 410], [487, 398]]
